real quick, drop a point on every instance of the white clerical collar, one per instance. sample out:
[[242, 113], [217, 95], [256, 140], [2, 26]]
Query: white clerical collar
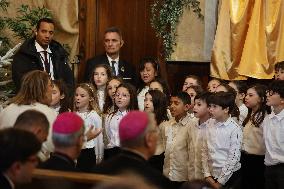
[[40, 49]]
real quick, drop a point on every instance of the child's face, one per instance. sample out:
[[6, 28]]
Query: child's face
[[212, 85], [192, 93], [252, 99], [148, 103], [148, 73], [156, 86], [56, 96], [112, 86], [239, 96], [200, 108], [100, 77], [279, 74], [218, 113], [82, 99], [188, 82], [122, 98], [273, 99], [178, 108]]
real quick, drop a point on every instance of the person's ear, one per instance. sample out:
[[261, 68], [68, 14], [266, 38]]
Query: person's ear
[[187, 107], [226, 110], [62, 96], [15, 168], [121, 43]]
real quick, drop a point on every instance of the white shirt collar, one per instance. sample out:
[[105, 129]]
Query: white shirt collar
[[9, 180], [40, 49], [110, 59], [278, 116]]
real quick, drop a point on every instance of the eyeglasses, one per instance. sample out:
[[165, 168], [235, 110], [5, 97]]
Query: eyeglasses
[[122, 95]]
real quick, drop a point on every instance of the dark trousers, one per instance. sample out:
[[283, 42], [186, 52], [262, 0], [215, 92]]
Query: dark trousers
[[274, 176], [86, 160], [234, 182], [252, 171], [111, 152]]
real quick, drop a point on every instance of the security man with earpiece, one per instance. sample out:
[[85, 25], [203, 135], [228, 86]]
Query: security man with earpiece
[[42, 53]]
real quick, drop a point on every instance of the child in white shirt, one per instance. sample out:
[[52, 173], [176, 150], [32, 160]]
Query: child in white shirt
[[273, 133], [221, 150]]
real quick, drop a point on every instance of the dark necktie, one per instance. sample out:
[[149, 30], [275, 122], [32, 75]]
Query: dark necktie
[[112, 67], [46, 63]]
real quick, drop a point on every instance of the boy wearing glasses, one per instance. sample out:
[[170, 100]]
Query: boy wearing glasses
[[273, 133]]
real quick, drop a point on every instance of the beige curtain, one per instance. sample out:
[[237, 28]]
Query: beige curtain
[[249, 39], [65, 14]]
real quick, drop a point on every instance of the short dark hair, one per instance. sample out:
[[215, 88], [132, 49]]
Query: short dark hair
[[204, 96], [183, 96], [16, 145], [31, 118], [114, 29], [198, 79], [277, 86], [48, 20], [279, 65], [225, 100]]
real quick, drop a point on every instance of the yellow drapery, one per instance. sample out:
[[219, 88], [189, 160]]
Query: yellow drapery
[[249, 39]]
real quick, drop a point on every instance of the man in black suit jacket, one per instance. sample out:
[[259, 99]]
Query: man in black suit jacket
[[112, 42], [18, 156], [138, 138], [41, 52]]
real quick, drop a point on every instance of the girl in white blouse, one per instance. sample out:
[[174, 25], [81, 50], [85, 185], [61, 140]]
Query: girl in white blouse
[[101, 74], [149, 70], [86, 107], [253, 148], [125, 100]]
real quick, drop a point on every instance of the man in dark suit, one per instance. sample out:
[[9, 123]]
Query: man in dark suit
[[42, 53], [112, 42], [138, 138], [18, 157]]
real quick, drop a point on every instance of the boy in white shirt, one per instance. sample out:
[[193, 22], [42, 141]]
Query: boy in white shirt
[[221, 150], [176, 137], [196, 134], [273, 133]]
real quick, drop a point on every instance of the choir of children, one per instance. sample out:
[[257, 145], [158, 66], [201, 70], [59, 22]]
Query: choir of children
[[227, 136]]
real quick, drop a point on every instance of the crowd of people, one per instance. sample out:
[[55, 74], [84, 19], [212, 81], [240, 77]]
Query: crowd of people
[[229, 135]]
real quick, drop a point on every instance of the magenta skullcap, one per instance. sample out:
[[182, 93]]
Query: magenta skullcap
[[132, 125], [67, 123]]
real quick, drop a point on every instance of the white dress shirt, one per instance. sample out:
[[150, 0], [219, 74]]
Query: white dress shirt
[[40, 50], [221, 150], [92, 118], [111, 128], [253, 142], [176, 149], [196, 138], [141, 97], [273, 133]]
